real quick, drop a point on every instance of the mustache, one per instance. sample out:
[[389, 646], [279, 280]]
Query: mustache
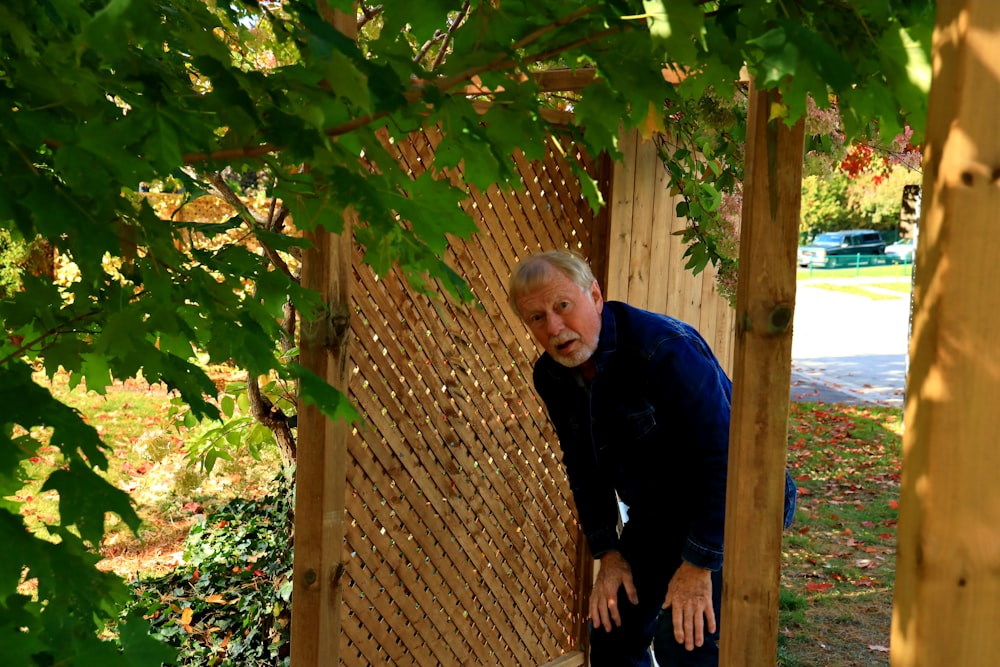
[[562, 338]]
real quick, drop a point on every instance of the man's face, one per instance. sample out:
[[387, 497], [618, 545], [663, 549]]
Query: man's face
[[563, 318]]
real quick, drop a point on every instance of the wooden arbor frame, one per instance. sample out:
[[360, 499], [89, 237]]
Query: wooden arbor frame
[[949, 532], [320, 524]]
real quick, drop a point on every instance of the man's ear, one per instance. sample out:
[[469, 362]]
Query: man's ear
[[595, 294]]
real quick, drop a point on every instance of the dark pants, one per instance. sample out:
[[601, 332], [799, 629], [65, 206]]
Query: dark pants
[[653, 560]]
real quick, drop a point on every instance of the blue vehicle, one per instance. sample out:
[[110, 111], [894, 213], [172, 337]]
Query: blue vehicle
[[845, 248]]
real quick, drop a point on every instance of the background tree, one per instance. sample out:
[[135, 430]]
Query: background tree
[[877, 200], [100, 96], [824, 204], [859, 185]]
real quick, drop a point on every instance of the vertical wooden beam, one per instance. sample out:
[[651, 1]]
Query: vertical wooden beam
[[947, 597], [320, 478], [765, 303], [320, 485], [586, 573]]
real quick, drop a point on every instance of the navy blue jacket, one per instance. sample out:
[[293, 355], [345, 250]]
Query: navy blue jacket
[[651, 425]]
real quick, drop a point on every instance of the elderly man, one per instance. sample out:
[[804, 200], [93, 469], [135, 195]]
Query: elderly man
[[641, 407]]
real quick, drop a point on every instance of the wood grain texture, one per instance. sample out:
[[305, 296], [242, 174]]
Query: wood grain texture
[[318, 566], [645, 259], [762, 369], [320, 488], [947, 595]]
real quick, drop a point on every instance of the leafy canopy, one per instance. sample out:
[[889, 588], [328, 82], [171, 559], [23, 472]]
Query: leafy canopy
[[100, 96]]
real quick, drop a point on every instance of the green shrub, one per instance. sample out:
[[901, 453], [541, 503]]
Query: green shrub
[[229, 604]]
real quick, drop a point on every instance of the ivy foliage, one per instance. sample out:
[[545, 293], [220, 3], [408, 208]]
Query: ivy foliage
[[229, 604], [101, 96]]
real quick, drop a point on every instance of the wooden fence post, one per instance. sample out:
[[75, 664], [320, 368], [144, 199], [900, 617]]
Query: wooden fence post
[[947, 595], [765, 304], [320, 477]]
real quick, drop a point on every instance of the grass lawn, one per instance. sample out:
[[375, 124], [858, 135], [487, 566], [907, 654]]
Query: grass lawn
[[147, 459], [838, 557], [872, 282], [894, 271]]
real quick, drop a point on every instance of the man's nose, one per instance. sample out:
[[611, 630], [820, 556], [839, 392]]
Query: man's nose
[[554, 324]]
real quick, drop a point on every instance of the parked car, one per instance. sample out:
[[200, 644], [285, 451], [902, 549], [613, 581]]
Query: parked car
[[845, 248], [901, 252]]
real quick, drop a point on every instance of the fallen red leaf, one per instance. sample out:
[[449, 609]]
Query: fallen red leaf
[[818, 587]]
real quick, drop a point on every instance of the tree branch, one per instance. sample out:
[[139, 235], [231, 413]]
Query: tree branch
[[438, 36], [451, 31], [552, 53], [273, 417], [368, 14], [63, 327], [419, 90], [224, 192]]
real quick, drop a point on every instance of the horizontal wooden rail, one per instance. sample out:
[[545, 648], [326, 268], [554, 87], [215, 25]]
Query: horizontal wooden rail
[[572, 659]]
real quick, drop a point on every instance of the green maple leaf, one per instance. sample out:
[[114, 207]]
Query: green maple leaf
[[778, 57], [20, 640], [97, 372], [137, 644], [678, 27], [85, 497], [316, 391], [163, 145], [908, 69]]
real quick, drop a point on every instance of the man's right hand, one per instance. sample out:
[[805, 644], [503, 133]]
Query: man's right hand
[[612, 575]]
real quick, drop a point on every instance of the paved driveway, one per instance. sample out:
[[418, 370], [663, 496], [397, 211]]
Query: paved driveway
[[848, 348]]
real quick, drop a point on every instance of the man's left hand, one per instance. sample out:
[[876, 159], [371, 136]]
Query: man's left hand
[[689, 594]]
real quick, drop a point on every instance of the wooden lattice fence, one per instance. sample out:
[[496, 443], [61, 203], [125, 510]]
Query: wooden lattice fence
[[463, 549]]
